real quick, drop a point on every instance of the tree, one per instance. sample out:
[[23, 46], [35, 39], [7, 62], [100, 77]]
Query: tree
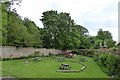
[[84, 38], [4, 24], [34, 33], [60, 31], [110, 43], [105, 36], [6, 9], [18, 32], [97, 43], [15, 30]]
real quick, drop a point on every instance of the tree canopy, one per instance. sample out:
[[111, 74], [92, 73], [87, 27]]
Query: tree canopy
[[16, 32], [59, 31]]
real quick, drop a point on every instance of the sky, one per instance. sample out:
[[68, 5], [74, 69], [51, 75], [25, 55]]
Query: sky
[[92, 14]]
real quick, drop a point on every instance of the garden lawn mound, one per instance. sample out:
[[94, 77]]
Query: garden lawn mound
[[46, 68]]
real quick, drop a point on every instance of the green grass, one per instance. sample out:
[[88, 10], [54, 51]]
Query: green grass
[[47, 69]]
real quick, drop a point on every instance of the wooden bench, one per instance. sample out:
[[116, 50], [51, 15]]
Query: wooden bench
[[83, 68], [67, 71]]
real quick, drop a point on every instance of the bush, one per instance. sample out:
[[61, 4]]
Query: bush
[[15, 58], [30, 56], [5, 59], [96, 56], [110, 64], [85, 52], [50, 54], [80, 51], [103, 59], [36, 54], [22, 57], [90, 53]]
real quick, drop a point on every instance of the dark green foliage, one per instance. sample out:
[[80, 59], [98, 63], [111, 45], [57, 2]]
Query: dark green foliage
[[103, 59], [4, 22], [60, 31], [5, 59], [103, 34], [23, 57], [96, 56], [90, 53], [102, 38], [18, 32], [85, 42], [34, 36], [85, 52], [80, 51], [31, 56], [15, 58], [110, 64]]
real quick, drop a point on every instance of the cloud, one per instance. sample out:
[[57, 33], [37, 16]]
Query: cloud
[[92, 14]]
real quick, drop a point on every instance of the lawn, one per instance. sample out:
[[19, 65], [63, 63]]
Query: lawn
[[47, 69]]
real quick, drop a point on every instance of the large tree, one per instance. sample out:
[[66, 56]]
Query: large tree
[[61, 31]]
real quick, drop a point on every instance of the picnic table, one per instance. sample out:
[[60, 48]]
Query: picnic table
[[64, 66]]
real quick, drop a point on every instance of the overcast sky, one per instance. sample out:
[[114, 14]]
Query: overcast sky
[[92, 14]]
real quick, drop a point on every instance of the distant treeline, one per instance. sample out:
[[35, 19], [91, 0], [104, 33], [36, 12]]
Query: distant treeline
[[59, 32]]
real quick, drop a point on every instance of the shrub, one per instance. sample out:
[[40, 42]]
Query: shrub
[[22, 57], [80, 51], [36, 54], [96, 56], [4, 59], [50, 54], [30, 56], [103, 59], [90, 53], [110, 64], [15, 58]]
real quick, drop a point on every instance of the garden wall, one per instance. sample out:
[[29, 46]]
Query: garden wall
[[8, 51]]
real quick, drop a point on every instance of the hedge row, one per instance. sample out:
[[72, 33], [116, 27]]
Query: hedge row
[[85, 52], [108, 62]]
